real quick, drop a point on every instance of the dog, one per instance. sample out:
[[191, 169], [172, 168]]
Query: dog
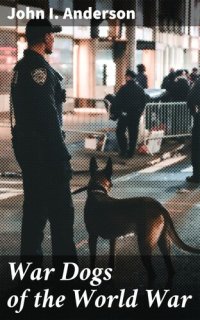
[[111, 218]]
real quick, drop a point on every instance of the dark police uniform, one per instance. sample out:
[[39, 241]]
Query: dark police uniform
[[193, 103], [142, 80], [128, 104], [39, 147]]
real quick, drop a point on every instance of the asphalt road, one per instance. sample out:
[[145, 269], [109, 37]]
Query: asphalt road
[[161, 181], [164, 181]]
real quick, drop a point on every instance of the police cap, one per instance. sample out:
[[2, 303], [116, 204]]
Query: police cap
[[37, 28]]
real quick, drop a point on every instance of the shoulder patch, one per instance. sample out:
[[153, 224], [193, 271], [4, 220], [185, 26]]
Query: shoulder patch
[[39, 75]]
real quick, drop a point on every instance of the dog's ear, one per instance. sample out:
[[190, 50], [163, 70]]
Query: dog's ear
[[93, 166], [108, 168]]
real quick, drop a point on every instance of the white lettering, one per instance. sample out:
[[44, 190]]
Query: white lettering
[[78, 14], [87, 14], [157, 297], [130, 14], [20, 270], [13, 301], [184, 300], [65, 271], [108, 274], [173, 302], [100, 301], [121, 14], [13, 14], [48, 300], [86, 299], [111, 299], [36, 274], [85, 274], [131, 301], [68, 14], [51, 13], [112, 14], [97, 14], [105, 13], [26, 14]]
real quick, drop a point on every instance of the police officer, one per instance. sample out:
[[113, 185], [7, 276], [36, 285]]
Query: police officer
[[128, 104], [141, 77], [37, 96], [193, 102]]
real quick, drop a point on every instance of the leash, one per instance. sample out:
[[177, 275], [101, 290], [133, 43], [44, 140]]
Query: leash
[[79, 190]]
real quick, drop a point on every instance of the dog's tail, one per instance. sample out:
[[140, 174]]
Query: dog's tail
[[174, 235]]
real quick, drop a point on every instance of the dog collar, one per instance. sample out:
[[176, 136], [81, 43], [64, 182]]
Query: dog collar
[[100, 191]]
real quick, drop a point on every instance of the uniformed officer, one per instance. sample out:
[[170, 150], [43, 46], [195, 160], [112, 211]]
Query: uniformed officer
[[128, 104], [193, 103], [37, 96]]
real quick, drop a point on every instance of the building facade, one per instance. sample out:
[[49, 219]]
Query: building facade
[[93, 59]]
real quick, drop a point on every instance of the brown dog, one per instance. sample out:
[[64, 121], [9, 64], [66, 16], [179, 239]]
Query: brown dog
[[110, 218]]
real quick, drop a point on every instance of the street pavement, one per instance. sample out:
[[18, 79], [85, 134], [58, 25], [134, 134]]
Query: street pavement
[[164, 181], [161, 176], [142, 175]]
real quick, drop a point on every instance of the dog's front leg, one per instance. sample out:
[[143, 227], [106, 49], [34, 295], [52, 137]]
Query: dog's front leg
[[112, 254], [92, 248]]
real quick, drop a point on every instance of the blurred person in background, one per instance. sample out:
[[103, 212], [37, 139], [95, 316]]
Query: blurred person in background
[[188, 77], [193, 103], [128, 105], [167, 79], [180, 87], [194, 76], [141, 76]]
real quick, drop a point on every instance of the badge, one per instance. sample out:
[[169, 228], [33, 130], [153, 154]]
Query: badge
[[39, 76]]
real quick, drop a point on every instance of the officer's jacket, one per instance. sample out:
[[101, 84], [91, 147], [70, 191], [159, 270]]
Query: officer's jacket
[[130, 99], [180, 89], [36, 96], [141, 78], [193, 99]]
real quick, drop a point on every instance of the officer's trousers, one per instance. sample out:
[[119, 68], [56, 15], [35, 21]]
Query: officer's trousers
[[47, 196], [196, 147], [126, 122]]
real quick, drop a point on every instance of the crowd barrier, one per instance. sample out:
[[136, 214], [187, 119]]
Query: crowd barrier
[[90, 117], [173, 118]]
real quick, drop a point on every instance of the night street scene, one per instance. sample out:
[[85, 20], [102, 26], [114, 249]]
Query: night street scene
[[100, 159]]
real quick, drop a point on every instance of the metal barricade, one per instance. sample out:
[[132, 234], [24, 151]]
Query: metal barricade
[[173, 118]]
